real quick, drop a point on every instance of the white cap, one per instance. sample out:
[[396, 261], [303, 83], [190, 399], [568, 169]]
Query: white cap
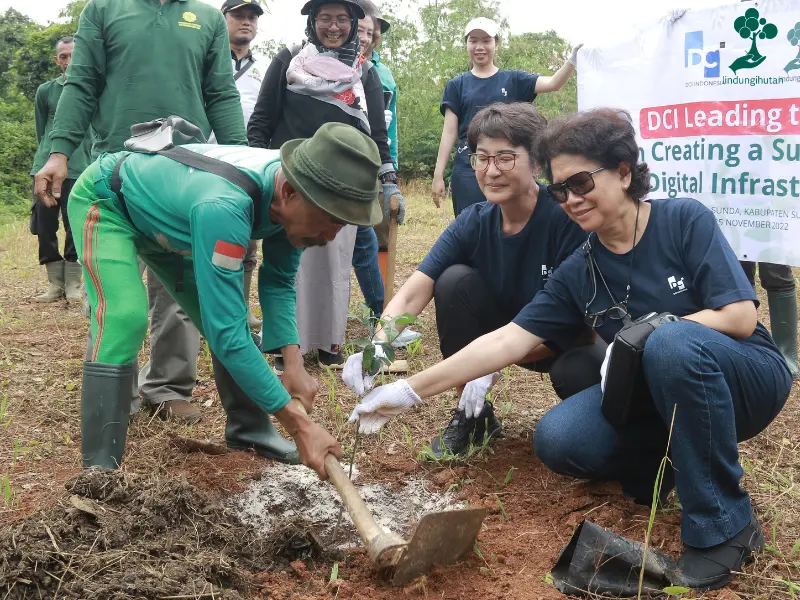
[[483, 24]]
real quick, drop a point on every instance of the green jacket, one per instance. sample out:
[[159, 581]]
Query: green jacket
[[195, 213], [389, 85], [138, 60], [47, 96]]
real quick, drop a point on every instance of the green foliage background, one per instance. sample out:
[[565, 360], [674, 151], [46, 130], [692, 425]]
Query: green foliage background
[[423, 54]]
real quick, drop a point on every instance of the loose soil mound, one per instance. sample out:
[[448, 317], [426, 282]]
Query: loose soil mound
[[120, 537]]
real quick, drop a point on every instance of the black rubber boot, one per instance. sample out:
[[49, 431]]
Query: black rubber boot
[[248, 426], [783, 322], [105, 408], [713, 568]]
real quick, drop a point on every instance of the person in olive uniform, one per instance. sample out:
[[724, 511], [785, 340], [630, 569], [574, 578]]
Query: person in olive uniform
[[135, 61], [63, 270]]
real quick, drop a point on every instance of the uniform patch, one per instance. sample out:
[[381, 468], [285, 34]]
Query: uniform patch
[[228, 256]]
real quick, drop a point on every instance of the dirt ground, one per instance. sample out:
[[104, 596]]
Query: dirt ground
[[163, 526]]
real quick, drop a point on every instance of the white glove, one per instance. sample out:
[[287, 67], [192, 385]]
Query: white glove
[[474, 396], [388, 117], [604, 368], [383, 403], [353, 372], [573, 58]]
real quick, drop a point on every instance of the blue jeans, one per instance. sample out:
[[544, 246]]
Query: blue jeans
[[368, 273], [725, 390]]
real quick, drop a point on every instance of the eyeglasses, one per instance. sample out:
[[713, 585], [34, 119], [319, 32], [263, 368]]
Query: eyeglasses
[[504, 161], [618, 311], [327, 21], [580, 183]]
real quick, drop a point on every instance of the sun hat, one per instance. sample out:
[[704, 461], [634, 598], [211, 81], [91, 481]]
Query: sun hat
[[337, 171], [483, 24]]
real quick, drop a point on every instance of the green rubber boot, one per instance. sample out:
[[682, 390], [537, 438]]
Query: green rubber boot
[[248, 426], [105, 404], [783, 320]]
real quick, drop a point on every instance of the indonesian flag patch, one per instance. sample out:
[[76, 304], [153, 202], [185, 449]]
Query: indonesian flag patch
[[228, 256]]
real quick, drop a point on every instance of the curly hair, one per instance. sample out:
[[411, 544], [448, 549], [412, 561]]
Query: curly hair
[[517, 122], [603, 135]]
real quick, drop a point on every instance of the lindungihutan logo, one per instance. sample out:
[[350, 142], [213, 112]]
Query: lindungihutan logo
[[794, 39], [189, 19], [754, 27]]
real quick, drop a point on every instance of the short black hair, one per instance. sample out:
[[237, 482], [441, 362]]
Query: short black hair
[[518, 122], [603, 135], [67, 39]]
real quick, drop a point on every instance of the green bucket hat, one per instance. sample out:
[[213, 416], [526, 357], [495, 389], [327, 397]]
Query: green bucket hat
[[337, 171]]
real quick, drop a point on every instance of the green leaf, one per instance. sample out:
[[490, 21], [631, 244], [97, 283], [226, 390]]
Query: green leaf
[[361, 342], [335, 571], [405, 319], [389, 351], [70, 386], [369, 355], [676, 590]]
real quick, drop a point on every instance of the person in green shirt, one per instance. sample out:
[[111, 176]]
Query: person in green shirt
[[63, 271], [192, 228], [136, 61]]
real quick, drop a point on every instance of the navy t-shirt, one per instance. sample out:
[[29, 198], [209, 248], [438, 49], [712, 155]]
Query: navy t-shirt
[[683, 264], [466, 94], [514, 267]]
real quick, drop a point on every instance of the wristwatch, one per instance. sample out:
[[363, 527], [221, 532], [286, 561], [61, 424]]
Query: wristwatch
[[388, 177]]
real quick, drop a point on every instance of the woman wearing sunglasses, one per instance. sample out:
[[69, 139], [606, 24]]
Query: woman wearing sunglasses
[[716, 367], [488, 265], [468, 93]]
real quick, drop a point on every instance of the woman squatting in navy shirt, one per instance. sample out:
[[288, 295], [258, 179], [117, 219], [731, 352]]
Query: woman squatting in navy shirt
[[468, 93], [716, 368], [489, 264]]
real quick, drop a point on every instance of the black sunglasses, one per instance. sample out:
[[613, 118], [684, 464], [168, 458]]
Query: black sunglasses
[[579, 183]]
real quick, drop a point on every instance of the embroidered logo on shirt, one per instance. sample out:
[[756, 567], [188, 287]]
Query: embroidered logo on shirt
[[505, 93], [228, 256], [546, 273], [189, 19], [676, 285]]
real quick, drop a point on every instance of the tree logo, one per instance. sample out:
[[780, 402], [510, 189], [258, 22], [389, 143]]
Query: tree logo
[[794, 39], [752, 26]]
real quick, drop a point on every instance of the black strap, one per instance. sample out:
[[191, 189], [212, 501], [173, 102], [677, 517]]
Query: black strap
[[116, 186], [221, 168], [243, 70]]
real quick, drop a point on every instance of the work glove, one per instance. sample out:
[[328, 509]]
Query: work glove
[[383, 403], [573, 58], [474, 396], [388, 117], [389, 190], [604, 368], [353, 372]]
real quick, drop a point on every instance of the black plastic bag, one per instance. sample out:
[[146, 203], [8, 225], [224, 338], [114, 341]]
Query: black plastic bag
[[601, 563]]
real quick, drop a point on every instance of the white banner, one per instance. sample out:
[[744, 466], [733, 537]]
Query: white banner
[[714, 95]]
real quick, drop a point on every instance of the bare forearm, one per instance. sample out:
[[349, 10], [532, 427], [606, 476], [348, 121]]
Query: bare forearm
[[736, 320], [489, 353], [556, 81], [291, 356], [445, 148]]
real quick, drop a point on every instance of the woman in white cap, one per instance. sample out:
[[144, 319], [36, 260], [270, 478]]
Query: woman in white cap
[[468, 93]]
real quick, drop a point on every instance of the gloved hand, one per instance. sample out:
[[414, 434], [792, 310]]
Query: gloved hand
[[389, 190], [573, 58], [474, 396], [388, 117], [353, 372], [604, 368], [383, 403]]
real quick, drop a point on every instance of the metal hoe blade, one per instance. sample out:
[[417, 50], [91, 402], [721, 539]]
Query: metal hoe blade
[[441, 538]]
